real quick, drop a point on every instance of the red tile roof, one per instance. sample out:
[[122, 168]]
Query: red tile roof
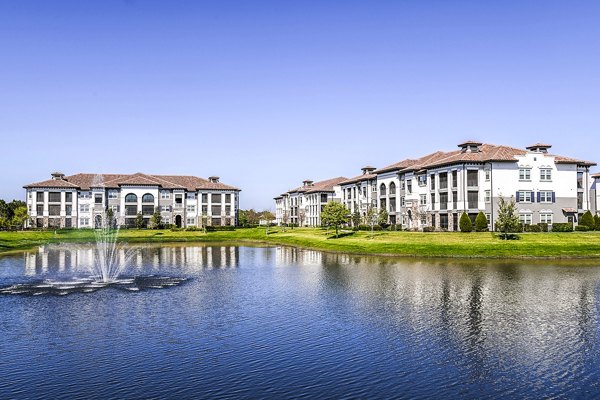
[[358, 178], [322, 186], [87, 181]]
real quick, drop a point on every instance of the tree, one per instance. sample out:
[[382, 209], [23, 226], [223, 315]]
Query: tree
[[465, 223], [507, 221], [597, 222], [356, 218], [481, 222], [587, 220], [334, 214], [268, 217], [243, 217], [383, 217], [371, 217], [301, 217], [285, 219], [156, 219], [19, 217], [139, 220]]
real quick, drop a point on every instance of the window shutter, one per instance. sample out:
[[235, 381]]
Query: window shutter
[[553, 197], [539, 196], [533, 197], [517, 197]]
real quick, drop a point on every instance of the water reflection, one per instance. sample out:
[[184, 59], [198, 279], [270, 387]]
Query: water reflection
[[67, 259]]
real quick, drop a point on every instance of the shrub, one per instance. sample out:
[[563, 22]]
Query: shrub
[[192, 229], [465, 223], [597, 222], [430, 228], [481, 222], [532, 228], [215, 228], [543, 227], [562, 227], [587, 220], [582, 228]]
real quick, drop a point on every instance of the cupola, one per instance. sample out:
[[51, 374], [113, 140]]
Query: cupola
[[470, 146], [539, 148]]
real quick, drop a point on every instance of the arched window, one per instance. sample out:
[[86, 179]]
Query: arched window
[[382, 189], [131, 198], [392, 188], [147, 198]]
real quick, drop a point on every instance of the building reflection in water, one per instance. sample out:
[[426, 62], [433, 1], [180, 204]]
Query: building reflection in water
[[49, 260]]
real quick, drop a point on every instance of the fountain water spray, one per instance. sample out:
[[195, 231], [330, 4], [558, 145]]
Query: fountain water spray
[[107, 264]]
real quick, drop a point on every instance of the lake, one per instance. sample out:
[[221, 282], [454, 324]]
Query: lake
[[279, 322]]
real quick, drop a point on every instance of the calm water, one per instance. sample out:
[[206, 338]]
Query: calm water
[[287, 323]]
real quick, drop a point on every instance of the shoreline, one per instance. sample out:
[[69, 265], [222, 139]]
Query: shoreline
[[452, 245]]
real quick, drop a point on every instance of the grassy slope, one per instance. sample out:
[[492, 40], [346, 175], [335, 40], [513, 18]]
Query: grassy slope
[[576, 244]]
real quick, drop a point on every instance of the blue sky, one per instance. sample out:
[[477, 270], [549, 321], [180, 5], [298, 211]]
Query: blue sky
[[266, 94]]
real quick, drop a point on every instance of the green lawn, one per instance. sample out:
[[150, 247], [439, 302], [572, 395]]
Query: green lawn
[[447, 244]]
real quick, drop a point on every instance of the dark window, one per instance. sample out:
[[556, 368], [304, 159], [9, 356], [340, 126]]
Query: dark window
[[179, 199], [444, 180], [205, 209], [580, 181], [216, 221], [454, 179], [473, 199], [68, 223], [472, 178], [69, 197], [383, 204], [204, 198], [98, 199], [131, 198], [382, 190], [216, 210], [39, 197], [432, 179], [54, 197], [40, 209], [54, 210], [579, 201], [147, 198], [130, 210], [147, 210], [216, 198], [227, 210], [454, 199], [69, 209], [323, 198], [444, 203], [392, 188], [444, 221], [227, 198]]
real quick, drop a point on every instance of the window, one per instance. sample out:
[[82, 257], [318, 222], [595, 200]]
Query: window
[[546, 218], [525, 219], [68, 197], [488, 195], [432, 179], [454, 179], [69, 209], [204, 209], [422, 180], [545, 196], [54, 209], [216, 221], [473, 199], [545, 174], [54, 197], [131, 198], [178, 200], [85, 195], [165, 208], [432, 200], [190, 196], [205, 197], [444, 201], [165, 194], [84, 221], [190, 221], [392, 188], [423, 219], [423, 200], [382, 189], [472, 178], [216, 209], [323, 198], [443, 181], [216, 198], [147, 210], [84, 208], [40, 209], [39, 197], [98, 199], [228, 198], [113, 194], [409, 186], [488, 218], [524, 196], [115, 208], [488, 174], [402, 201], [190, 208], [227, 210], [147, 198], [130, 210], [525, 174], [579, 180]]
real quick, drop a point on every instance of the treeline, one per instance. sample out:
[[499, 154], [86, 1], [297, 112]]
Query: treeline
[[248, 218], [13, 215]]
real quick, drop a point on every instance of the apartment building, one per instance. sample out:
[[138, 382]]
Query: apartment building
[[434, 190], [302, 206], [82, 200]]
